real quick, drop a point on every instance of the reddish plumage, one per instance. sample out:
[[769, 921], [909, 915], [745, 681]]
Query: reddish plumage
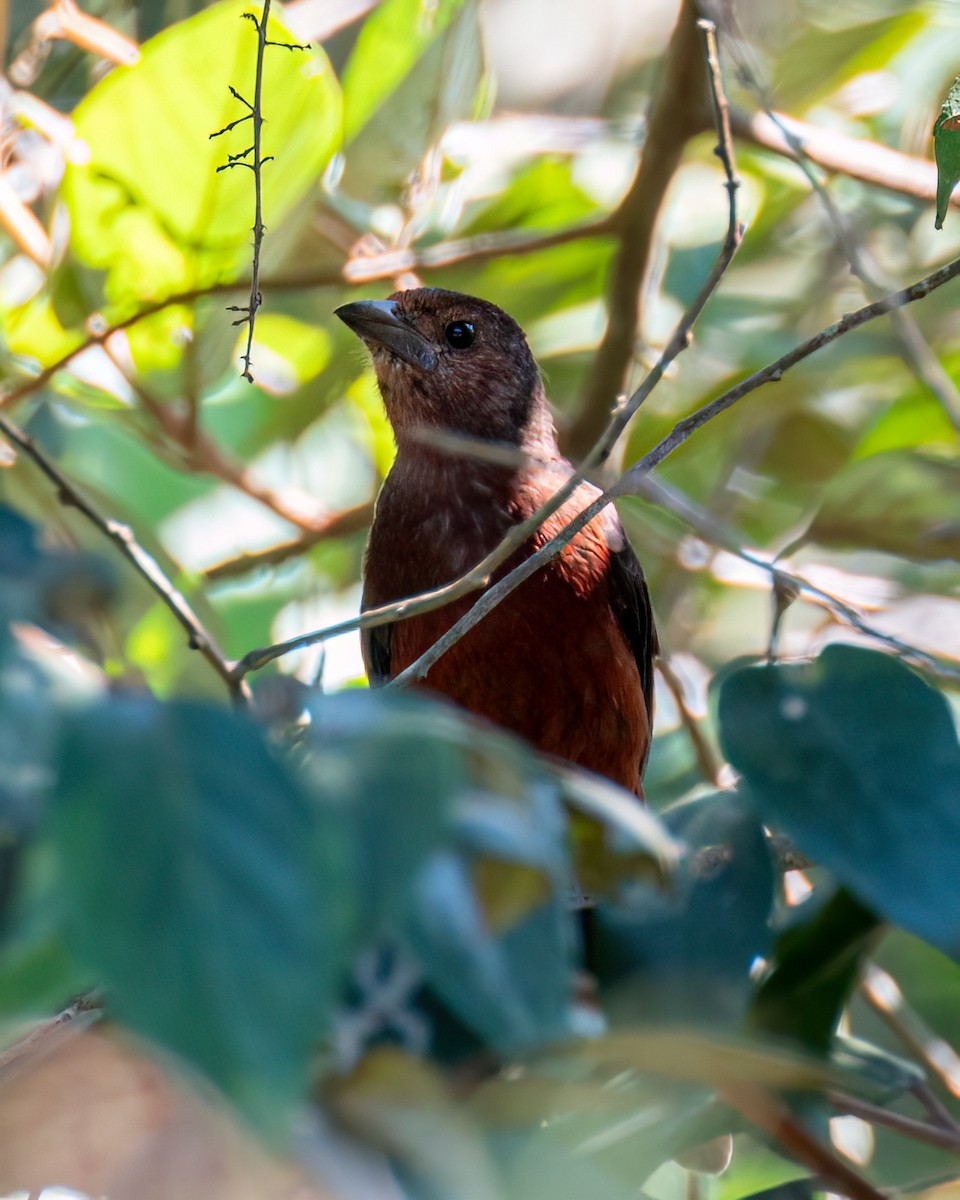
[[566, 659]]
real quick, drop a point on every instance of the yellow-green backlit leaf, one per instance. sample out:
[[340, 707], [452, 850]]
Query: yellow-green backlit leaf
[[391, 41], [150, 205]]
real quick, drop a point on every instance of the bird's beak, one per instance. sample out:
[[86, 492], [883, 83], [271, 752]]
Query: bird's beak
[[379, 321]]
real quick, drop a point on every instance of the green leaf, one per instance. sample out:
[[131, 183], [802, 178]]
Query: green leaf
[[899, 502], [402, 1105], [755, 1168], [288, 352], [203, 889], [614, 838], [596, 1134], [915, 419], [412, 113], [512, 988], [816, 962], [695, 1057], [395, 766], [150, 206], [393, 37], [686, 953], [542, 195], [856, 759], [946, 148], [38, 977]]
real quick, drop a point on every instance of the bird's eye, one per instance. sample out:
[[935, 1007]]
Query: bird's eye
[[460, 334]]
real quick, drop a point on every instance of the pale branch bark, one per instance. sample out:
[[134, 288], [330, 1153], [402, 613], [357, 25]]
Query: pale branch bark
[[146, 565], [99, 333], [679, 111], [855, 158], [73, 1019], [775, 370], [341, 524], [478, 248], [362, 268], [882, 992], [629, 482]]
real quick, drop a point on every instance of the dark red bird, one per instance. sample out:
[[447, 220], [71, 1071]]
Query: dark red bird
[[567, 659]]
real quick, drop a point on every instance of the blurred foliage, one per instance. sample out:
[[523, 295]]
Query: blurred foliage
[[351, 913]]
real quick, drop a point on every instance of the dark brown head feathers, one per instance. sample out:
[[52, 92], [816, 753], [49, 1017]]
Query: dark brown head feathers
[[456, 362]]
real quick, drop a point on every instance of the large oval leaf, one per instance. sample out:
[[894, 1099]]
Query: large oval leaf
[[200, 887], [856, 759]]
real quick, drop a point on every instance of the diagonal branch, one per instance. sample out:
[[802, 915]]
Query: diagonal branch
[[202, 453], [629, 482], [123, 538], [713, 530], [768, 1112], [911, 1127], [914, 348]]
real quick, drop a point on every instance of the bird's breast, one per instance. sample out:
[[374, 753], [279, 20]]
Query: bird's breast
[[551, 661], [431, 527]]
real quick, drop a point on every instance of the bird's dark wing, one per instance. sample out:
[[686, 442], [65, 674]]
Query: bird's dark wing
[[631, 604], [375, 645]]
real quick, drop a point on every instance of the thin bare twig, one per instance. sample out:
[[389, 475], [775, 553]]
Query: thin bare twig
[[478, 248], [702, 750], [678, 112], [255, 115], [73, 1019], [718, 533], [911, 1127], [179, 424], [914, 348], [256, 162], [854, 158], [775, 370], [123, 537]]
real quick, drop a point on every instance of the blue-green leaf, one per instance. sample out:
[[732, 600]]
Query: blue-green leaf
[[856, 759]]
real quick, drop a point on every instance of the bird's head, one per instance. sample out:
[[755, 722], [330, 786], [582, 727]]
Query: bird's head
[[449, 361]]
